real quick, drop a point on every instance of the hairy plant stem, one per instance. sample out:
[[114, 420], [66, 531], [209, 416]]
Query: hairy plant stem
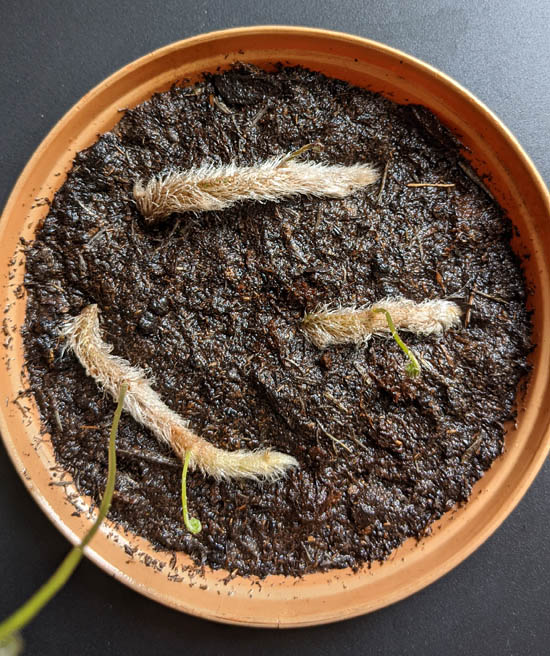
[[83, 336], [218, 187], [330, 325]]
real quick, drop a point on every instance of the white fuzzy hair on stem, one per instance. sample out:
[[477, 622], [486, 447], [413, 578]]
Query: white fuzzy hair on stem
[[83, 336], [331, 325], [217, 187]]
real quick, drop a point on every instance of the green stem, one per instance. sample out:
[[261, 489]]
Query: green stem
[[192, 524], [296, 153], [413, 368], [18, 620]]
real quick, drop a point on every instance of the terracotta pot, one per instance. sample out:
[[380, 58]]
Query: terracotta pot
[[317, 598]]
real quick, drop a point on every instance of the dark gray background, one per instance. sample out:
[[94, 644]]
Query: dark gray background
[[51, 53]]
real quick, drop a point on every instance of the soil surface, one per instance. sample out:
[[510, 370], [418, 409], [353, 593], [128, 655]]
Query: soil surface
[[211, 305]]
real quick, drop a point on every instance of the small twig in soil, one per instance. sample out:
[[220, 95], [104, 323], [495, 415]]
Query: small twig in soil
[[443, 185], [87, 209], [469, 307], [153, 458], [259, 116], [474, 177], [357, 441], [57, 419], [492, 298], [471, 450], [334, 439], [214, 100], [383, 182], [97, 236]]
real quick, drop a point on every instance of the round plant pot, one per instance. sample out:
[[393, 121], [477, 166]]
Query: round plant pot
[[316, 598]]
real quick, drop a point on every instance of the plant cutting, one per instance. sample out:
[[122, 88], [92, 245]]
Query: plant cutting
[[145, 405], [331, 325], [216, 188]]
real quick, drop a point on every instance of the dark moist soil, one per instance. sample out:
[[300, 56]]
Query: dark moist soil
[[212, 304]]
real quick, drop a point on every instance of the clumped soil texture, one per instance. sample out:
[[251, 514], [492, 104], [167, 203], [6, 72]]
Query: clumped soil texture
[[212, 304]]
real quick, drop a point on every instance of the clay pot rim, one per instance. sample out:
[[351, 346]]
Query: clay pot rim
[[98, 552]]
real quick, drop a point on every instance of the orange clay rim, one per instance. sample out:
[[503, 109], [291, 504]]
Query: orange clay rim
[[317, 598]]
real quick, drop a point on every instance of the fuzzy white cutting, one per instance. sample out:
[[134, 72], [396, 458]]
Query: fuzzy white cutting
[[330, 325], [217, 187], [83, 336]]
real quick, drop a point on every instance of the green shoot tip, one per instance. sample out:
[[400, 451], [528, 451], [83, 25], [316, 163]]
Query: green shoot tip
[[413, 368], [192, 524]]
